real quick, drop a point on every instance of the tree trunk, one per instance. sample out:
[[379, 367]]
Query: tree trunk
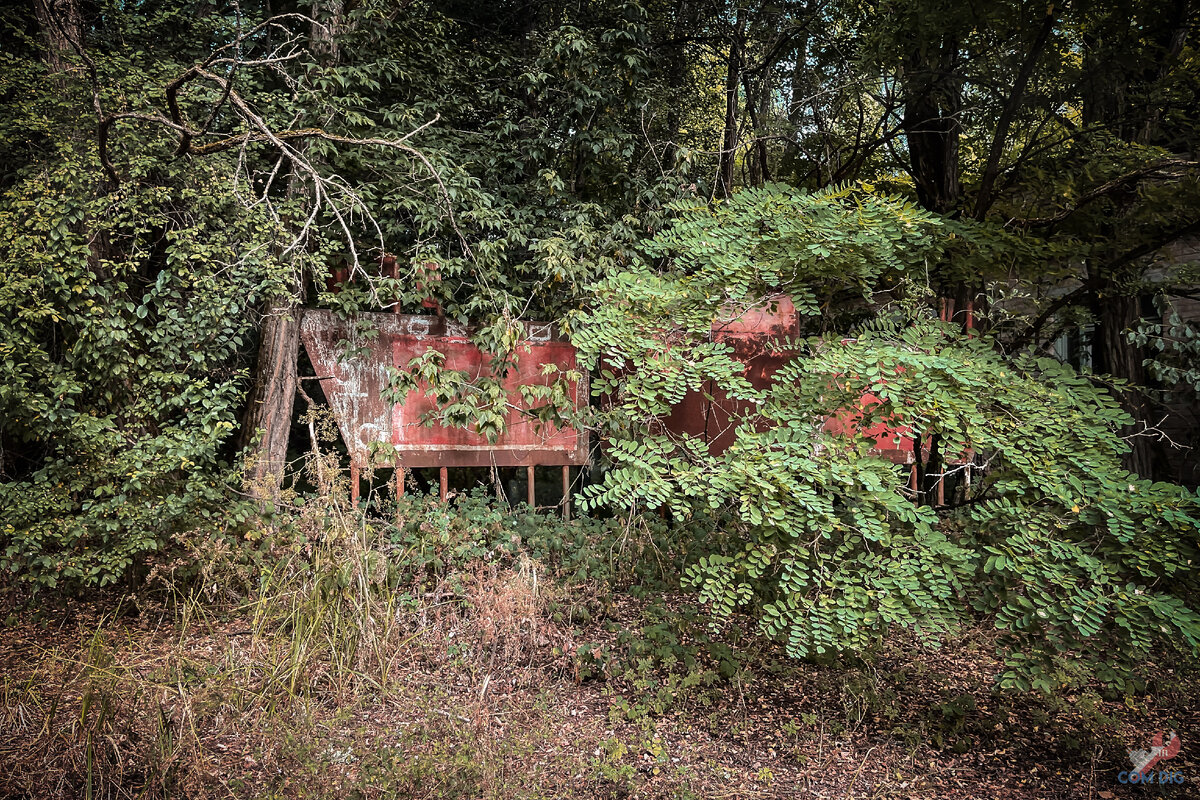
[[801, 92], [268, 420], [933, 104], [675, 70], [331, 22], [62, 27], [1109, 87], [729, 137], [1116, 355], [267, 425], [757, 108], [932, 127]]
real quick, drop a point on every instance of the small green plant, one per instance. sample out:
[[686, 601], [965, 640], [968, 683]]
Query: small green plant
[[611, 767]]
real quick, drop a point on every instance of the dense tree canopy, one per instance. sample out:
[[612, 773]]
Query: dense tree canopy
[[179, 179]]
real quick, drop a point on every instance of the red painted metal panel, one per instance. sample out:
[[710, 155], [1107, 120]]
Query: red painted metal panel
[[525, 441], [353, 382], [352, 357], [750, 333], [757, 336], [894, 443]]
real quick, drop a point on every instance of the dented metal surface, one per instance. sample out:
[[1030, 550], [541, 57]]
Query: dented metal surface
[[352, 357]]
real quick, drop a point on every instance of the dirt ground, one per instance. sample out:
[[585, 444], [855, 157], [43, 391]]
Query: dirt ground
[[153, 703]]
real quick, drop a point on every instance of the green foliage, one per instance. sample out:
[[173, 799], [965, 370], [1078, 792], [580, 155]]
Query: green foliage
[[130, 311], [1054, 542], [544, 183], [125, 324], [436, 542], [1174, 349], [834, 245], [1070, 553], [121, 363], [539, 152], [551, 183], [461, 399]]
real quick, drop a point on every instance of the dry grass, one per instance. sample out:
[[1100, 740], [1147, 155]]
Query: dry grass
[[284, 695], [336, 676]]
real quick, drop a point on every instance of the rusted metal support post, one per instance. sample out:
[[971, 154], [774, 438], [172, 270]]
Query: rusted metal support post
[[399, 493], [529, 496], [941, 490], [566, 500], [913, 480], [354, 485], [445, 483]]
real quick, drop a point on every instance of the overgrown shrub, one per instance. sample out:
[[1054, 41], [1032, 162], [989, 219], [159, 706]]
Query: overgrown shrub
[[121, 366], [1054, 543]]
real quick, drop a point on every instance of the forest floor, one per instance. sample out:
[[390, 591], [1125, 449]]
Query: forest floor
[[510, 695]]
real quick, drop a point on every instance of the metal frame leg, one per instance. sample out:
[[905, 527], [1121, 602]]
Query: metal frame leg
[[566, 499]]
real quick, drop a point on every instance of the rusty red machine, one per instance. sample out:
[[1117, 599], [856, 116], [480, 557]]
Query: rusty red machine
[[757, 336], [352, 357]]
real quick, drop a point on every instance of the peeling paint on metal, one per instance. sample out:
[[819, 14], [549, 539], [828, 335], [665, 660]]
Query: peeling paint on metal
[[353, 368]]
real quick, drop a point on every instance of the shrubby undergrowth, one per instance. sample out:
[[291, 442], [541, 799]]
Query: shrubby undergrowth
[[437, 654], [323, 608]]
